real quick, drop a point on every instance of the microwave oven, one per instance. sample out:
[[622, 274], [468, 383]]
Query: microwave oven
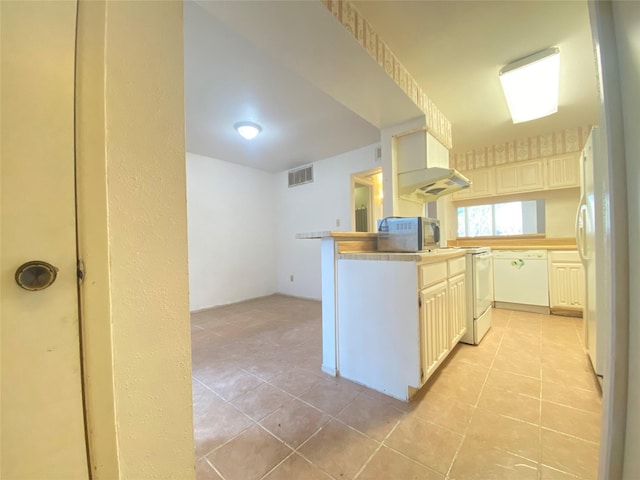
[[408, 234]]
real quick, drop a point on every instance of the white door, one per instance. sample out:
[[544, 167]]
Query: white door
[[43, 430]]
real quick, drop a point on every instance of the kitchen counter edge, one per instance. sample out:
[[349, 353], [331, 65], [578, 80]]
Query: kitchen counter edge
[[417, 257], [335, 234]]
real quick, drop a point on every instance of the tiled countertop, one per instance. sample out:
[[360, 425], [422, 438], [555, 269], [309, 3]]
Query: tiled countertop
[[534, 247], [540, 244], [336, 235], [418, 257]]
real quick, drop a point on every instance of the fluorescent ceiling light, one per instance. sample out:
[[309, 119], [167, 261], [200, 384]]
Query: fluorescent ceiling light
[[248, 130], [531, 85]]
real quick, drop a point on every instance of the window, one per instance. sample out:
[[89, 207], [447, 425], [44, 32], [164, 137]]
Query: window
[[512, 218]]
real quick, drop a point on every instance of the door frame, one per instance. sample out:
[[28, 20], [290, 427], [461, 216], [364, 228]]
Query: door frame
[[363, 178]]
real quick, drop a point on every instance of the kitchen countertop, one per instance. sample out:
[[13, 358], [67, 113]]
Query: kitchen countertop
[[494, 243], [534, 247], [525, 242], [418, 257], [335, 234]]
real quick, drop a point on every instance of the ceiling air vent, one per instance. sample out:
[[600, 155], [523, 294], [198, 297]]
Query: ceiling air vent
[[300, 176]]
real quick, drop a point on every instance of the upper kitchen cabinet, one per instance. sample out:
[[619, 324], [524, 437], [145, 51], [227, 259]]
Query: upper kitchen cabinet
[[420, 150], [482, 184], [551, 173], [520, 177], [563, 171]]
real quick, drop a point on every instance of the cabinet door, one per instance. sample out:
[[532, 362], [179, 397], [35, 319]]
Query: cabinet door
[[507, 179], [563, 171], [519, 177], [530, 176], [434, 331], [457, 309], [482, 184], [566, 285]]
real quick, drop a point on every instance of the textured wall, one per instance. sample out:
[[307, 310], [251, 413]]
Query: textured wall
[[146, 188]]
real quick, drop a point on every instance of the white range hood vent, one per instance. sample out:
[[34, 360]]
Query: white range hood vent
[[423, 168], [429, 184]]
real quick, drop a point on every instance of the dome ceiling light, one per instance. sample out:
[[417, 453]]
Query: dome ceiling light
[[248, 130]]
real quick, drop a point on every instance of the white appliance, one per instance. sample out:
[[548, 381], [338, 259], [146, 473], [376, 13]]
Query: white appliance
[[590, 238], [479, 285], [521, 280]]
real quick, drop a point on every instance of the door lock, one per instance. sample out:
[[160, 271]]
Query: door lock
[[36, 275]]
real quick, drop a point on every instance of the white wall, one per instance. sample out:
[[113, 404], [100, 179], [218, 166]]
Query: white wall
[[232, 232], [314, 207]]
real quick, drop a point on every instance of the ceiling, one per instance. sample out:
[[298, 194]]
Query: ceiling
[[292, 68]]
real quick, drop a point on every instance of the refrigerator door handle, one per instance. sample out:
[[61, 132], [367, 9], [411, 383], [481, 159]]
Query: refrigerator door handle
[[581, 218]]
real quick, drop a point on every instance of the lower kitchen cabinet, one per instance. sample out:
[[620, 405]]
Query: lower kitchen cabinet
[[398, 320], [566, 282], [434, 328], [457, 308]]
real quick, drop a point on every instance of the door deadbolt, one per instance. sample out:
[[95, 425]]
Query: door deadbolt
[[36, 275]]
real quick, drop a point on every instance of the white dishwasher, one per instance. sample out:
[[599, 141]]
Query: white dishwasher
[[521, 280]]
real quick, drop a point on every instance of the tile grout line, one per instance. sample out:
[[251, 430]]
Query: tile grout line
[[540, 450], [380, 444], [215, 469], [464, 435], [295, 450], [335, 417]]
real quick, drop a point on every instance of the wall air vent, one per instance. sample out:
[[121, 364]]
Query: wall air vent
[[300, 176]]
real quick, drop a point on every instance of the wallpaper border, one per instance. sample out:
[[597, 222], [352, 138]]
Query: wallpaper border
[[569, 140], [347, 14]]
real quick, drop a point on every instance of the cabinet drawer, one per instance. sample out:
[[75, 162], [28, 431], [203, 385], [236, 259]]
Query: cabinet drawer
[[457, 265], [564, 256], [431, 273]]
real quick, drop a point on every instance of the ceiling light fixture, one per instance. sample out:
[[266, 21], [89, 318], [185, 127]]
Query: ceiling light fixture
[[531, 85], [248, 130]]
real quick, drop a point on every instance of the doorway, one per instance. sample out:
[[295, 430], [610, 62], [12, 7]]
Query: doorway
[[366, 200]]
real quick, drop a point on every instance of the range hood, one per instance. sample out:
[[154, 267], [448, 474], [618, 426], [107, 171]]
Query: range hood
[[423, 168], [428, 184]]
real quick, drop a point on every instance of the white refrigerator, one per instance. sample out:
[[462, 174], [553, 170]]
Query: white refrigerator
[[590, 240]]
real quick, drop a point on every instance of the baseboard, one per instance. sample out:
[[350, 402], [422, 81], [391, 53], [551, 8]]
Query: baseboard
[[522, 307], [566, 312], [330, 371]]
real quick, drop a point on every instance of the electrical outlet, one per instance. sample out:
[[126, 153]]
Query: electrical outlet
[[291, 278], [337, 222]]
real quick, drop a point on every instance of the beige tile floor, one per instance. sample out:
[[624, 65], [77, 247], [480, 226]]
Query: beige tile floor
[[521, 405]]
